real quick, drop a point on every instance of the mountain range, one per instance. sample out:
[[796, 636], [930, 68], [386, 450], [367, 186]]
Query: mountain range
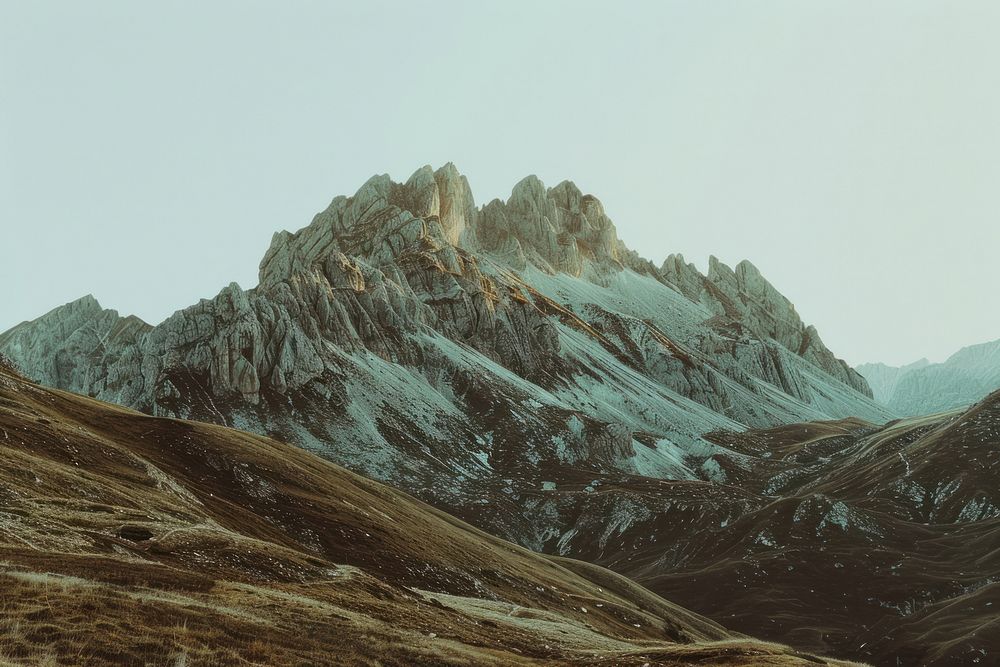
[[923, 388], [517, 366]]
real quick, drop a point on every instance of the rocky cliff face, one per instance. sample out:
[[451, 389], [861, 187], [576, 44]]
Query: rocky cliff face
[[465, 353]]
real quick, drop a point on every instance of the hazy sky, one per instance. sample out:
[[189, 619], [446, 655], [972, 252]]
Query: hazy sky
[[851, 150]]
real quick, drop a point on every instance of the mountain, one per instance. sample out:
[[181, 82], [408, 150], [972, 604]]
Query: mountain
[[142, 540], [512, 364], [467, 355], [924, 388]]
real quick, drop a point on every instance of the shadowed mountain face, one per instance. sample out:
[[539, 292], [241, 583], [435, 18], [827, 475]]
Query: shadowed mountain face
[[923, 388], [141, 540]]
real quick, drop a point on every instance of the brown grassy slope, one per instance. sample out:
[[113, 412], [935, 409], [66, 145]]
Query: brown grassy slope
[[127, 539]]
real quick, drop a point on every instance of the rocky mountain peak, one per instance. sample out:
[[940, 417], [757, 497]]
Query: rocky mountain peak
[[396, 257], [85, 304], [556, 229], [444, 195], [60, 347]]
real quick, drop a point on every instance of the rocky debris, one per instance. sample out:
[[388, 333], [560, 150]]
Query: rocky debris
[[7, 364]]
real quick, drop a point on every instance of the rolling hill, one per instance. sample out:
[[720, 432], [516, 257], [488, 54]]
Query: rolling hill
[[129, 539]]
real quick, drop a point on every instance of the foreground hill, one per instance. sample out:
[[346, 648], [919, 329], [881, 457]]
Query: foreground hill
[[128, 539], [923, 388]]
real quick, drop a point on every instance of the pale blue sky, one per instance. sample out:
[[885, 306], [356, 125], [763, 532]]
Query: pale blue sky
[[850, 149]]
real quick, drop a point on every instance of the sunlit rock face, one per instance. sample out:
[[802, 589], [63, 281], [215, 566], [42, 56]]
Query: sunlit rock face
[[463, 352]]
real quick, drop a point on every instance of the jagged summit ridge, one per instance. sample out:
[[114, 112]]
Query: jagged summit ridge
[[376, 268], [381, 240], [556, 229]]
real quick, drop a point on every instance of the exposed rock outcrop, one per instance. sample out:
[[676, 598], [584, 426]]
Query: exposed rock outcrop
[[557, 230]]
